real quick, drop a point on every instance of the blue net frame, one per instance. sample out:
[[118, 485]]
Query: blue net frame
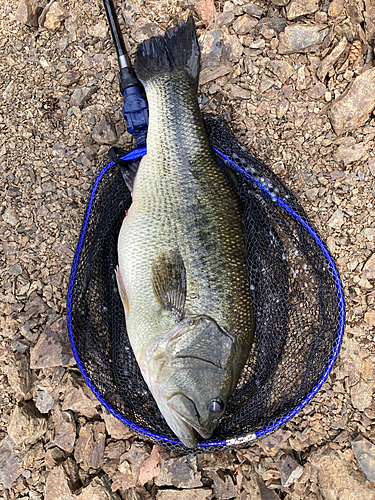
[[298, 238]]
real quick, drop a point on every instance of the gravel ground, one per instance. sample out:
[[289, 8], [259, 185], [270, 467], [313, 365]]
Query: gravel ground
[[296, 83]]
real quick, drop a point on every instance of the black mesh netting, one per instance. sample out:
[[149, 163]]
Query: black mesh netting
[[295, 290]]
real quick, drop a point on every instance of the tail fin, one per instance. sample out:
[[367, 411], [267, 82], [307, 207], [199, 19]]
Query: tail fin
[[177, 49]]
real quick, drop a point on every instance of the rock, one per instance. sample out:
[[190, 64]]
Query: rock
[[279, 167], [131, 463], [211, 48], [79, 398], [69, 78], [206, 11], [369, 233], [53, 456], [265, 84], [115, 450], [72, 471], [232, 48], [230, 7], [281, 69], [369, 19], [354, 12], [34, 456], [81, 95], [337, 219], [275, 442], [350, 154], [301, 78], [10, 216], [104, 132], [99, 30], [124, 478], [137, 493], [244, 24], [370, 317], [298, 8], [115, 428], [301, 38], [15, 270], [364, 452], [264, 492], [354, 107], [317, 91], [368, 270], [65, 430], [220, 460], [57, 485], [89, 448], [354, 363], [328, 62], [151, 466], [55, 14], [253, 10], [209, 74], [263, 108], [197, 494], [371, 165], [223, 486], [277, 24], [13, 192], [237, 92], [18, 375], [26, 425], [28, 12], [112, 455], [338, 479], [361, 394], [10, 462], [180, 472], [98, 489], [142, 30], [280, 3], [53, 347], [258, 44], [270, 34], [336, 8], [223, 19], [289, 469], [44, 401], [311, 194]]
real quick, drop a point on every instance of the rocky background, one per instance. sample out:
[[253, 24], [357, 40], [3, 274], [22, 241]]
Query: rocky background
[[295, 80]]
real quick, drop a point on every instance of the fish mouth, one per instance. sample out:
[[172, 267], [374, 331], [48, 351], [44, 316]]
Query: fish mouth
[[183, 430], [183, 408]]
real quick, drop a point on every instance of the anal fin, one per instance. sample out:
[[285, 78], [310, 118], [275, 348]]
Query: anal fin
[[122, 291]]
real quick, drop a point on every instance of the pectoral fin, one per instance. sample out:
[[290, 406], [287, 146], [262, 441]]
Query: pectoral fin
[[168, 275], [122, 291]]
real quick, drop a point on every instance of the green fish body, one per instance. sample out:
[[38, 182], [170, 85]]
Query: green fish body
[[182, 274]]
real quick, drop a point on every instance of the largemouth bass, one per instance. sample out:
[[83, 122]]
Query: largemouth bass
[[182, 275]]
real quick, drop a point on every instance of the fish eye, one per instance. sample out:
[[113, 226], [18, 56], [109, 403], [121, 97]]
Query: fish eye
[[216, 406]]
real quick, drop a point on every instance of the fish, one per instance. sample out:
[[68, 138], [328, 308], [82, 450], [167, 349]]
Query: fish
[[181, 269]]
